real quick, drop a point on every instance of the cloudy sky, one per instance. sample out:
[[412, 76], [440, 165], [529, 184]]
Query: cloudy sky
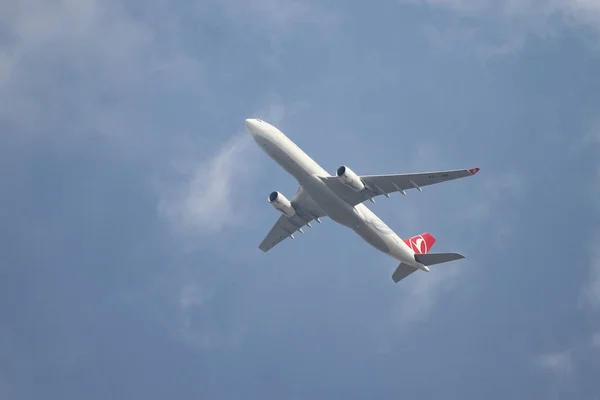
[[133, 201]]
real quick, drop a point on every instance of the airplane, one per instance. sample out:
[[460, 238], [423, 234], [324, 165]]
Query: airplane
[[341, 198]]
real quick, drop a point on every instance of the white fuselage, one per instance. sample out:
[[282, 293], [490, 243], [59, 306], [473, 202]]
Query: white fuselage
[[307, 172]]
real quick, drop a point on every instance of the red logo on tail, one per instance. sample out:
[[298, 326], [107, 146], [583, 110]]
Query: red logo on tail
[[420, 244]]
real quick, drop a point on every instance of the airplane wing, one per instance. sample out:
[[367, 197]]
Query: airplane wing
[[377, 185], [306, 211]]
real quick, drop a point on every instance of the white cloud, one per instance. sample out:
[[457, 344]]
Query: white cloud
[[412, 302], [583, 11], [558, 363], [425, 290], [497, 28], [276, 15], [95, 62], [92, 62], [184, 302], [579, 10], [206, 201], [420, 293], [582, 352], [191, 297], [63, 60], [591, 289], [464, 6], [494, 188]]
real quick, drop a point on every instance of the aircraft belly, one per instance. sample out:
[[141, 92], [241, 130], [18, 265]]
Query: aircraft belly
[[379, 235], [286, 162], [295, 162], [372, 237], [335, 208]]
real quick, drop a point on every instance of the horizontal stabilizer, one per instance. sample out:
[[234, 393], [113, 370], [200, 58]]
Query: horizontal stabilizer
[[437, 258], [402, 272]]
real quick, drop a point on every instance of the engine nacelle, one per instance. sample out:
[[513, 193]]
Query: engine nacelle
[[350, 179], [282, 204]]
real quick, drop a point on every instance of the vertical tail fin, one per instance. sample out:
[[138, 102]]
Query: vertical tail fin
[[421, 244]]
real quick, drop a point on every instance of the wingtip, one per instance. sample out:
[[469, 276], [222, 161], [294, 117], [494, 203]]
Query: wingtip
[[473, 171]]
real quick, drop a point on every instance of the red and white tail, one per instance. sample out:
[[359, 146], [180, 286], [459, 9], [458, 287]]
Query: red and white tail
[[421, 244]]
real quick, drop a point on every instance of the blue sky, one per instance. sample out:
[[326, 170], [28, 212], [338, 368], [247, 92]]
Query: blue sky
[[133, 200]]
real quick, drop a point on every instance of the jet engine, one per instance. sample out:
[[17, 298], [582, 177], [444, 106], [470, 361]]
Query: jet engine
[[350, 179], [282, 204]]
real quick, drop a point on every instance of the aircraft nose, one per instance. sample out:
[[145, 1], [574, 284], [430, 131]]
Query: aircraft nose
[[252, 125]]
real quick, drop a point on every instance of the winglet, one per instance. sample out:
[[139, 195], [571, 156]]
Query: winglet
[[473, 171]]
